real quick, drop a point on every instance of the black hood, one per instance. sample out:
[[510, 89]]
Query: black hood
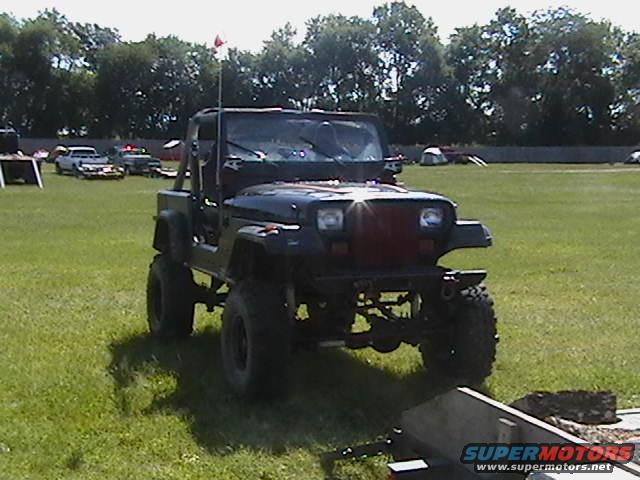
[[291, 201]]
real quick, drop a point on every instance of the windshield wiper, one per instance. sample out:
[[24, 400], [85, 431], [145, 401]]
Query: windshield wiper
[[322, 152], [260, 155]]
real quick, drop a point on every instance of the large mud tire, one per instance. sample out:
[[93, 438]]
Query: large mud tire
[[256, 340], [170, 298], [464, 352]]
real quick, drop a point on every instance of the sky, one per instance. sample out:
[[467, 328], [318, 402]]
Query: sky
[[245, 24]]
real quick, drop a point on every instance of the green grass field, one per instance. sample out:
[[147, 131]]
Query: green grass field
[[85, 393]]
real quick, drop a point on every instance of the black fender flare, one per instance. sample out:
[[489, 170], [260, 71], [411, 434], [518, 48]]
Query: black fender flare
[[259, 246], [171, 235], [468, 234], [286, 240]]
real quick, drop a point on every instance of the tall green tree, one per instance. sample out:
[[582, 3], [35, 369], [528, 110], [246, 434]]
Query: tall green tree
[[554, 77], [92, 38], [543, 80], [493, 71], [123, 83], [182, 81], [50, 90], [626, 108], [413, 69], [240, 84], [8, 33], [150, 88], [278, 71], [37, 86], [574, 58], [342, 63]]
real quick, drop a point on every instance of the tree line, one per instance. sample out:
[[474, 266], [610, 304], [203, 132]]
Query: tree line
[[555, 77]]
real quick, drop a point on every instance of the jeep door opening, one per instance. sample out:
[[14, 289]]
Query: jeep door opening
[[301, 227]]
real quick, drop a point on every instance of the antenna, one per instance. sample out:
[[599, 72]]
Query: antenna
[[217, 43], [219, 125]]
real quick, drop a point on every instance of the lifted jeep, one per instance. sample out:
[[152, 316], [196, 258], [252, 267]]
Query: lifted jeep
[[294, 209]]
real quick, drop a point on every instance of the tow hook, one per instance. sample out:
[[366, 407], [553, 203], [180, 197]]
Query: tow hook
[[449, 287]]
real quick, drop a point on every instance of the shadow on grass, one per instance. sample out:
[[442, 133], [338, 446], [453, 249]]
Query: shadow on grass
[[334, 399]]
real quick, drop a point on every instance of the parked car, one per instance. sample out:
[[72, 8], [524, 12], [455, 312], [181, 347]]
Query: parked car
[[164, 172], [303, 209], [134, 160], [85, 162], [634, 157]]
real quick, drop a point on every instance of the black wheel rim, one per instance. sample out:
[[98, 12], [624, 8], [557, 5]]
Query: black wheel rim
[[239, 344]]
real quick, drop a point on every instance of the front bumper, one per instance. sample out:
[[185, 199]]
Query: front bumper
[[400, 280], [163, 172], [102, 174], [335, 273]]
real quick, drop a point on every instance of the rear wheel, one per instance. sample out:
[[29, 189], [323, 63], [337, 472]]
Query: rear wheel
[[170, 298], [256, 340], [465, 350]]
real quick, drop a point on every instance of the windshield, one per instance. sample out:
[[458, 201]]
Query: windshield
[[83, 152], [95, 158], [318, 138]]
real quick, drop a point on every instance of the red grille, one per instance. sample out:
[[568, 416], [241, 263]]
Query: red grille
[[384, 235]]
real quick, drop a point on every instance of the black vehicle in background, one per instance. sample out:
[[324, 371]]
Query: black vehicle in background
[[134, 160], [9, 143], [298, 221], [14, 164]]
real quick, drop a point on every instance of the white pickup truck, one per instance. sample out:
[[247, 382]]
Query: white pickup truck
[[85, 162], [634, 157]]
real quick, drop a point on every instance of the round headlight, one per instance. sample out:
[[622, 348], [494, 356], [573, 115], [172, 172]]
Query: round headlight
[[431, 217], [330, 219]]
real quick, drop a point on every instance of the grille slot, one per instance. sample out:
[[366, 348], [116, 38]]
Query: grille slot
[[384, 235]]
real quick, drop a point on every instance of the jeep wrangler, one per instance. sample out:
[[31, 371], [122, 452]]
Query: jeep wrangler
[[298, 221]]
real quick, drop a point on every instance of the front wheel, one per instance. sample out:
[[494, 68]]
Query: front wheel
[[256, 340], [58, 169], [465, 350], [170, 298]]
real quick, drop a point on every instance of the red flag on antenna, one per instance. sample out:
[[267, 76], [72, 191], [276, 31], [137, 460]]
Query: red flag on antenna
[[218, 42]]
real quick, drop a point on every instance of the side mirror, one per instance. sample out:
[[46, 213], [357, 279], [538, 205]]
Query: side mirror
[[393, 164]]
